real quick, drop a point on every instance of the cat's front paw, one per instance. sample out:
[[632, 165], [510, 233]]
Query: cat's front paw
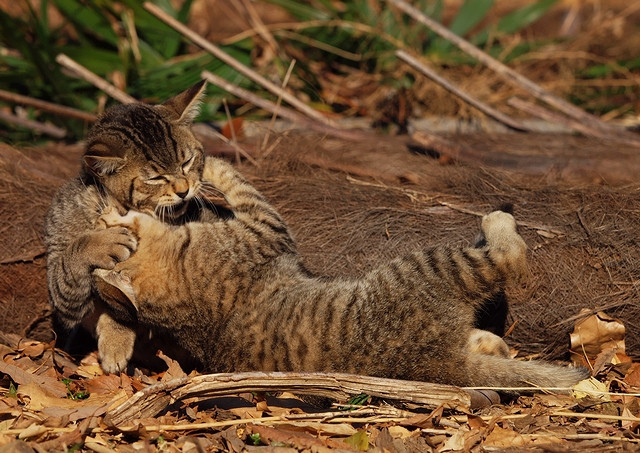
[[103, 248], [506, 246], [115, 344]]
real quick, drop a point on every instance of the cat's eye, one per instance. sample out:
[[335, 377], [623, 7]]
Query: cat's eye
[[156, 180], [187, 163]]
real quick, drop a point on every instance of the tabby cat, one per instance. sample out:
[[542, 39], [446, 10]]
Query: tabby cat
[[235, 293], [145, 158]]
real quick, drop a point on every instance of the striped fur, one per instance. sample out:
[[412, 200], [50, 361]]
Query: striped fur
[[236, 295], [145, 158]]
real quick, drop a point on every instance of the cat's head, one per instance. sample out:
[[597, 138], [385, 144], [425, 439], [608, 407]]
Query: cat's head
[[146, 155]]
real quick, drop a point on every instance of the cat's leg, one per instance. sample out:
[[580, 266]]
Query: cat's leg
[[249, 207], [484, 342], [115, 343], [505, 246]]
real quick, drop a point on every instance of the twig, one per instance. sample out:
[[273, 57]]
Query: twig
[[94, 79], [278, 102], [365, 415], [259, 25], [151, 400], [486, 109], [234, 138], [47, 106], [42, 128], [235, 64], [511, 75], [284, 112], [553, 117]]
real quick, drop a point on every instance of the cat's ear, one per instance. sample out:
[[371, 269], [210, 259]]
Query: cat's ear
[[187, 104], [116, 290], [99, 159]]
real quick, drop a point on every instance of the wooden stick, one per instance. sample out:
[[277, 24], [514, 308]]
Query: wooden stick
[[48, 129], [149, 401], [94, 79], [570, 123], [284, 112], [235, 64], [486, 109], [548, 115], [511, 75], [47, 106], [278, 103]]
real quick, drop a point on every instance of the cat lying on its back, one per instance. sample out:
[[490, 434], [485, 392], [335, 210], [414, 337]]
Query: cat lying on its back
[[236, 295]]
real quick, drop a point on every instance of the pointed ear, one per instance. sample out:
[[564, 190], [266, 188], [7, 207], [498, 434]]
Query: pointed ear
[[100, 159], [187, 104], [101, 166], [116, 290]]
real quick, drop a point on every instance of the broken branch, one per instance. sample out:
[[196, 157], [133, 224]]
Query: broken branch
[[94, 79], [46, 106], [42, 128], [151, 400]]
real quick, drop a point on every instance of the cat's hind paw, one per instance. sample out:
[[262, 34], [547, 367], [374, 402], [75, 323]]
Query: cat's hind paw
[[505, 245]]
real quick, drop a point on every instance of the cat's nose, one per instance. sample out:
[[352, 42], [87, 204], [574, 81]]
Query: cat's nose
[[181, 187]]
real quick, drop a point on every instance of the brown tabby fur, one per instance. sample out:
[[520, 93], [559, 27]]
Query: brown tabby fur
[[146, 158], [236, 295]]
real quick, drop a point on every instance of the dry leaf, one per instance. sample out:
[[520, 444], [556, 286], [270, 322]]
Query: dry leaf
[[33, 430], [592, 388], [269, 435], [174, 370], [501, 437], [23, 377], [327, 429], [455, 442], [32, 349], [359, 441], [89, 371], [105, 384], [233, 129], [398, 432], [633, 376], [593, 335]]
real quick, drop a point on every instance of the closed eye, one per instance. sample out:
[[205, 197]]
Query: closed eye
[[156, 180], [187, 163]]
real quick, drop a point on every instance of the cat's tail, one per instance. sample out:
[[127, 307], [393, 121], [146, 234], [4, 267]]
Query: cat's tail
[[505, 373]]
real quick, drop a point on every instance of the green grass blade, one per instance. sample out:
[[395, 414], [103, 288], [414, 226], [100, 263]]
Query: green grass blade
[[89, 20], [470, 14], [516, 21], [301, 10]]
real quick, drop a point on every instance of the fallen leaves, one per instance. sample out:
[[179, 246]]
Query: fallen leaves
[[54, 404]]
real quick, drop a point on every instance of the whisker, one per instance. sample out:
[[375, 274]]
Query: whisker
[[207, 187], [205, 203]]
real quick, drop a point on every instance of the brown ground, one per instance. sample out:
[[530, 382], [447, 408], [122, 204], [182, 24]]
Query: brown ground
[[354, 204]]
